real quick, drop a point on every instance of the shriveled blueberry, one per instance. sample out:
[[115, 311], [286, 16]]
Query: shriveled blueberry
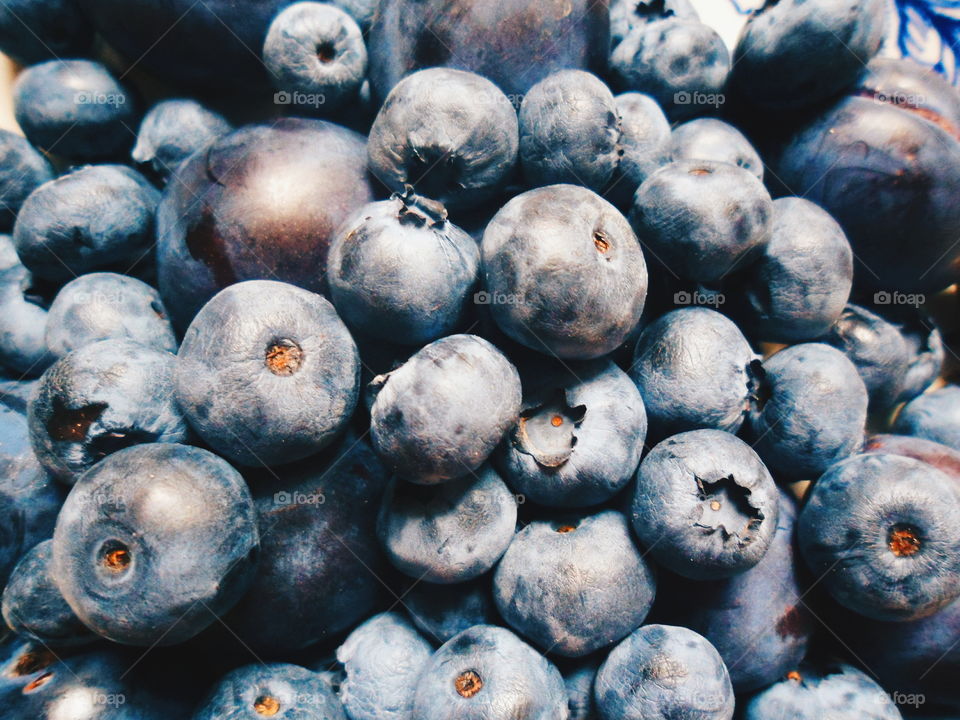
[[440, 415], [101, 398], [400, 271], [644, 142], [383, 659], [625, 15], [702, 219], [101, 306], [155, 542], [32, 31], [574, 585], [694, 370], [172, 130], [705, 505], [488, 673], [579, 437], [810, 410], [565, 273], [33, 606], [87, 219], [934, 415], [317, 49], [75, 109], [882, 530], [24, 301], [450, 134], [712, 139], [579, 680], [442, 611], [663, 672], [22, 170], [256, 691]]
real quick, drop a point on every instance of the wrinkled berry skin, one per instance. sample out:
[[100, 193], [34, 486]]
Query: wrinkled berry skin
[[267, 373], [810, 411], [75, 109], [22, 170], [839, 691], [88, 219], [798, 52], [449, 533], [488, 673], [33, 606], [574, 587], [23, 316], [451, 135], [383, 659], [934, 415], [155, 542], [101, 398], [883, 530], [694, 370], [440, 415], [442, 611], [548, 241], [102, 306], [433, 266], [254, 691], [705, 506], [594, 449], [171, 131], [944, 458], [262, 202], [712, 139], [756, 620], [32, 31], [664, 672], [513, 43], [799, 285]]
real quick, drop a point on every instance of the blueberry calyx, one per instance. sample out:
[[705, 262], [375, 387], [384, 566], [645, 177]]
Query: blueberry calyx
[[725, 506], [547, 432], [904, 540], [284, 357], [72, 425], [420, 211], [468, 684], [266, 705]]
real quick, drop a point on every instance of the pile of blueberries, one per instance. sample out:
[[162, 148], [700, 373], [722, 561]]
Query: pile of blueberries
[[376, 361]]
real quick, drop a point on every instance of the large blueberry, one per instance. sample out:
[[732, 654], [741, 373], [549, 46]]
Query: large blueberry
[[267, 373], [22, 170], [705, 505], [400, 271], [488, 673], [934, 415], [32, 31], [712, 139], [564, 272], [90, 218], [664, 672], [171, 131], [155, 542], [809, 411], [574, 586], [24, 300], [100, 398], [883, 532], [262, 202], [442, 611], [450, 134], [440, 414]]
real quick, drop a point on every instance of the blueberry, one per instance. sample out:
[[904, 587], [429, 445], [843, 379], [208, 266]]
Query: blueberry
[[645, 142], [448, 533], [32, 31], [488, 673], [22, 170], [576, 585], [934, 415], [451, 135], [267, 373], [155, 542], [705, 505], [24, 300], [563, 272], [101, 306], [383, 659], [838, 691], [99, 399], [625, 15], [795, 53], [318, 49], [440, 415], [927, 354], [33, 606], [702, 219], [933, 453], [579, 681], [882, 532], [579, 437], [432, 266], [694, 370], [171, 131], [663, 672], [800, 284], [278, 689], [712, 139], [262, 202], [85, 220], [75, 109], [810, 410], [442, 611]]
